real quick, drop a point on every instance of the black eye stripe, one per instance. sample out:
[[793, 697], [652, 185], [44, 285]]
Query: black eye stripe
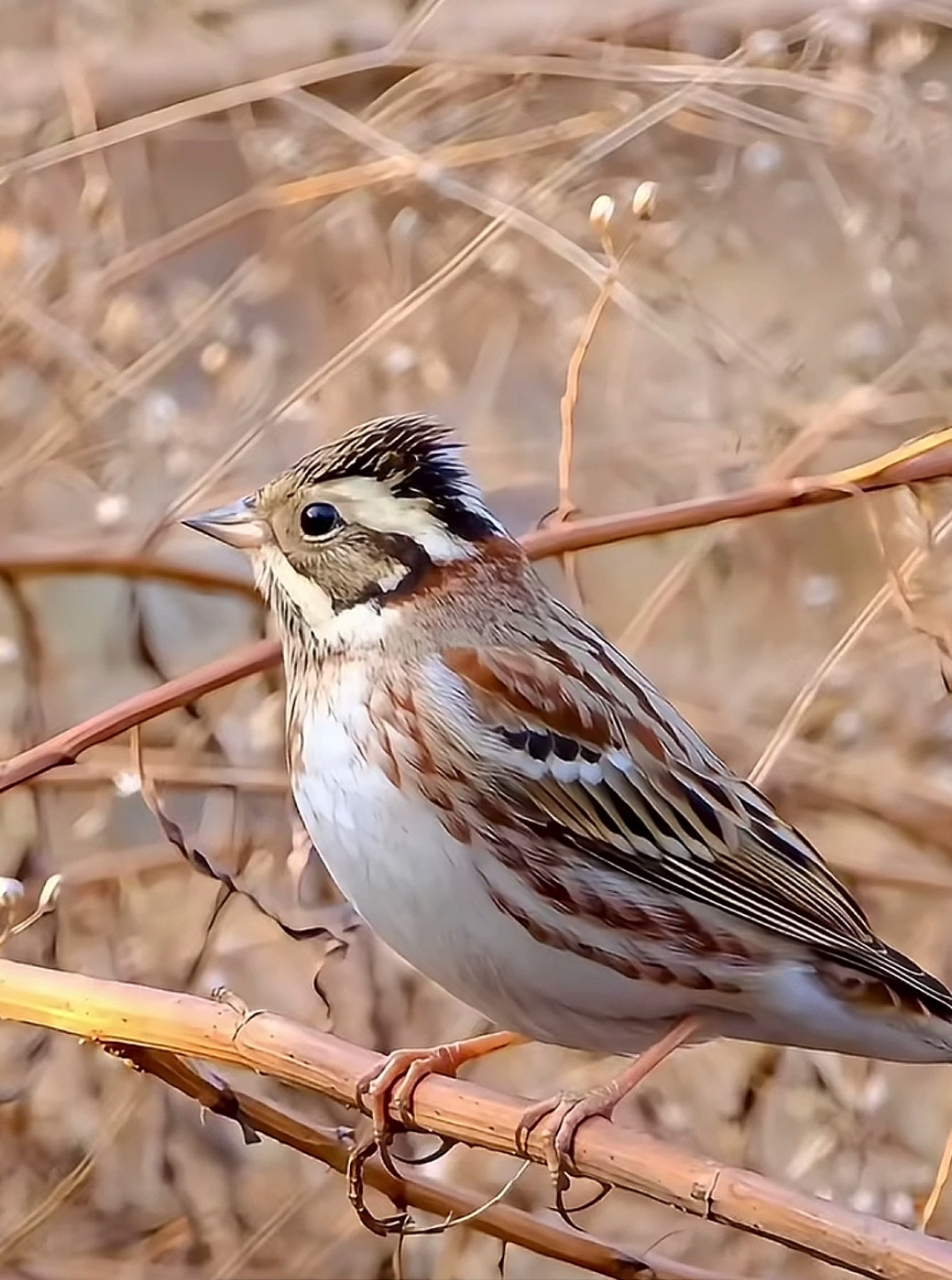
[[318, 519]]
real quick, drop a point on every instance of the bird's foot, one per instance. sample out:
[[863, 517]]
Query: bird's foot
[[558, 1119], [390, 1088]]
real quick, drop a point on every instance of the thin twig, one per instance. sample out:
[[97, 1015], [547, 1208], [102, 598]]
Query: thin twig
[[324, 186], [825, 425], [939, 1184], [927, 463], [65, 747], [503, 216], [782, 495], [395, 56], [95, 564], [785, 730], [71, 1183], [567, 405]]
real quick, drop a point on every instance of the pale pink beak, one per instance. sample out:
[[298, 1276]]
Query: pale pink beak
[[237, 525]]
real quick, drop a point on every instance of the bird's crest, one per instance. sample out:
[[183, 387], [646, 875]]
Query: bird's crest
[[416, 457]]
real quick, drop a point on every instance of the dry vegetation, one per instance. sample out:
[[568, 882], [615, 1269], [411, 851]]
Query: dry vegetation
[[190, 299]]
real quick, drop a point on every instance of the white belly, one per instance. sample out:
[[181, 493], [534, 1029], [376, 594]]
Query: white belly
[[400, 870]]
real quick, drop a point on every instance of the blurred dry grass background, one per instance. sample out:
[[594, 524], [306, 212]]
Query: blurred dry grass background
[[187, 310]]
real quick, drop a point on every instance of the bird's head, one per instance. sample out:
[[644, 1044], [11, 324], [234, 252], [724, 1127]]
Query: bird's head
[[362, 521]]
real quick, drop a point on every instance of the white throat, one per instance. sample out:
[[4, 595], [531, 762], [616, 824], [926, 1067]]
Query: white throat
[[361, 626]]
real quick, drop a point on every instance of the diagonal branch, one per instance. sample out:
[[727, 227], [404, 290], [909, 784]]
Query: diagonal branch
[[121, 1013], [917, 462], [932, 462], [66, 747], [503, 1222]]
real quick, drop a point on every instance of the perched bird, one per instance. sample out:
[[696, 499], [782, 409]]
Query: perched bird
[[520, 814]]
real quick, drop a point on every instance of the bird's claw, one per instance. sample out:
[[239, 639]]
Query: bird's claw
[[390, 1088], [557, 1121]]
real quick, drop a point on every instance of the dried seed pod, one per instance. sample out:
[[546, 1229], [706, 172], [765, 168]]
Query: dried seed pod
[[601, 213], [645, 199]]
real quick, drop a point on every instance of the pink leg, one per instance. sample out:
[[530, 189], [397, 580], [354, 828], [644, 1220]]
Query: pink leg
[[393, 1083], [564, 1114]]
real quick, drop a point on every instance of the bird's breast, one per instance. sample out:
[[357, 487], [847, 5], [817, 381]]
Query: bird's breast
[[385, 848]]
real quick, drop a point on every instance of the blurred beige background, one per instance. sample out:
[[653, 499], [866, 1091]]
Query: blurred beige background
[[190, 300]]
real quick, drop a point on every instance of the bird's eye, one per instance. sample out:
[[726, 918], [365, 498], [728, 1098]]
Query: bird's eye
[[318, 519]]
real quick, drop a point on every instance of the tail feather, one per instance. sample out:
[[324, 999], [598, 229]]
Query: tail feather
[[885, 979]]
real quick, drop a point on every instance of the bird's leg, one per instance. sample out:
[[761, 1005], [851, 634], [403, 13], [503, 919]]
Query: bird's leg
[[563, 1114], [393, 1083]]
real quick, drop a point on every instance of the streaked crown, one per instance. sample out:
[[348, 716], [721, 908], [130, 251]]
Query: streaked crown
[[415, 457]]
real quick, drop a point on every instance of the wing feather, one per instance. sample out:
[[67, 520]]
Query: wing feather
[[585, 749]]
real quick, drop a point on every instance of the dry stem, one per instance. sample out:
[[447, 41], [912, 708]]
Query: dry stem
[[176, 1023], [503, 1222]]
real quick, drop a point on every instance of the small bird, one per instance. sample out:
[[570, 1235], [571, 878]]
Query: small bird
[[520, 814]]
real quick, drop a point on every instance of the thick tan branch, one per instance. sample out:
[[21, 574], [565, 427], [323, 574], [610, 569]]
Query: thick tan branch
[[501, 1221], [185, 1024]]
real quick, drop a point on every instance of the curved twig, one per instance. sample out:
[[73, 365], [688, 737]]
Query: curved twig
[[100, 564]]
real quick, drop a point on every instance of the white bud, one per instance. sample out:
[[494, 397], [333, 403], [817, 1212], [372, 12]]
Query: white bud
[[819, 591], [601, 213], [933, 92], [214, 358], [766, 46], [762, 157], [900, 1207], [127, 783], [644, 200], [10, 891], [864, 1200], [111, 509], [399, 359]]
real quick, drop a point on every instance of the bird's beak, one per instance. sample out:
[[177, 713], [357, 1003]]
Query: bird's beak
[[237, 524]]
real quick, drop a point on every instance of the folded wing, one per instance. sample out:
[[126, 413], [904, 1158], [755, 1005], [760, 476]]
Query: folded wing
[[589, 752]]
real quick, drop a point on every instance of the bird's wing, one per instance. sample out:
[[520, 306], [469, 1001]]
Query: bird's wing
[[591, 754]]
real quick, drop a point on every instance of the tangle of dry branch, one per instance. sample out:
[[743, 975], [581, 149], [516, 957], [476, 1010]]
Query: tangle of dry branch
[[333, 1148], [176, 1023]]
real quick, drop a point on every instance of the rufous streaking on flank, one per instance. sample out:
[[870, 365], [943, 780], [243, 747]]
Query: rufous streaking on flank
[[515, 808]]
